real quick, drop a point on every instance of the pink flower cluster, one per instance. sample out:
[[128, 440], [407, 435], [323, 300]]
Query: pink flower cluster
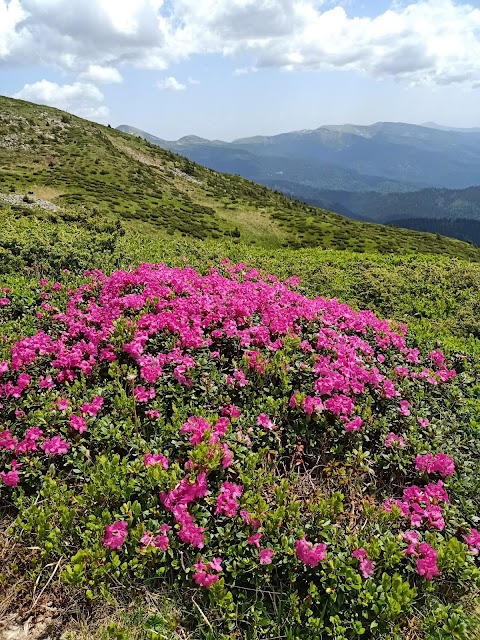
[[393, 439], [264, 421], [347, 355], [207, 574], [440, 463], [177, 500], [198, 427], [425, 554], [366, 565], [92, 408], [473, 541], [11, 478], [152, 459], [159, 540], [201, 311], [309, 553], [227, 499], [265, 556], [422, 505], [55, 446], [115, 534]]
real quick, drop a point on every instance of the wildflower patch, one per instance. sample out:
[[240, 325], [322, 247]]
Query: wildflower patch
[[171, 422]]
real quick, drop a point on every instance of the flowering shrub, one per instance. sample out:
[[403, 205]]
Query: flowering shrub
[[227, 433]]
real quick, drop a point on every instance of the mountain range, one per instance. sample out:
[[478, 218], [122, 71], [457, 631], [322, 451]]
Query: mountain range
[[393, 173]]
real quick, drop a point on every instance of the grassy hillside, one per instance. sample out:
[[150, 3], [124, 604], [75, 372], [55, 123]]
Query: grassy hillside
[[334, 495], [73, 167]]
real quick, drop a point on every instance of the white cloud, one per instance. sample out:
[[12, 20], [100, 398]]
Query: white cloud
[[80, 98], [171, 84], [11, 14], [433, 42], [100, 75], [193, 81], [243, 71]]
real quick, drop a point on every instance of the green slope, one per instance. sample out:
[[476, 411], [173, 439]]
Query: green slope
[[82, 167]]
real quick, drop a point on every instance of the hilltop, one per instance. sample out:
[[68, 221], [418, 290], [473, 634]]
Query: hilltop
[[74, 166]]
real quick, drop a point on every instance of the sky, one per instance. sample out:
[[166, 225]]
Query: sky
[[224, 69]]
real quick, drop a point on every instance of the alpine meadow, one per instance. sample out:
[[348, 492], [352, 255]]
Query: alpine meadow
[[226, 414]]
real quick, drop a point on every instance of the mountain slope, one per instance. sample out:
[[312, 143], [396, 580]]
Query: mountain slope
[[453, 204], [74, 166]]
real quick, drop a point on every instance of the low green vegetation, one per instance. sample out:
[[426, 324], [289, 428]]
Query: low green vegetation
[[102, 480], [191, 449]]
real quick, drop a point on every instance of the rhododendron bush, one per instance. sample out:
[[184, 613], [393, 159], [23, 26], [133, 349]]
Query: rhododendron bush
[[227, 434]]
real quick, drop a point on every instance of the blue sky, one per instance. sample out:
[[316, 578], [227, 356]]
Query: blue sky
[[232, 68]]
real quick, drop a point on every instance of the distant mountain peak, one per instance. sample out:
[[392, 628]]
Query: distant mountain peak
[[441, 127], [192, 139]]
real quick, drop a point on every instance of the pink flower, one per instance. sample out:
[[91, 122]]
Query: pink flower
[[232, 411], [437, 358], [264, 421], [216, 565], [92, 408], [292, 403], [7, 441], [115, 534], [11, 478], [366, 565], [197, 427], [62, 404], [423, 422], [152, 413], [309, 553], [249, 519], [160, 540], [255, 539], [265, 556], [34, 433], [427, 562], [152, 459], [404, 408], [412, 537], [312, 404], [78, 423], [4, 302], [392, 438], [55, 446], [227, 499], [203, 573], [142, 395], [473, 541], [227, 458], [354, 425], [440, 463], [45, 383]]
